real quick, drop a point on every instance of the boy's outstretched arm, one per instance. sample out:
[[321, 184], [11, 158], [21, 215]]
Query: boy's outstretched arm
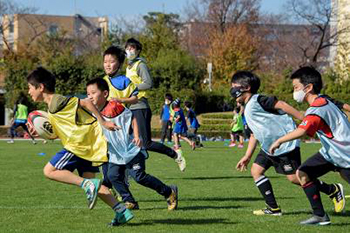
[[289, 109], [87, 104], [137, 141], [297, 133], [131, 100], [244, 161]]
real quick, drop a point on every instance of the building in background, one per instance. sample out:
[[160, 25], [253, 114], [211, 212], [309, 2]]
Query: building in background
[[340, 53], [20, 31]]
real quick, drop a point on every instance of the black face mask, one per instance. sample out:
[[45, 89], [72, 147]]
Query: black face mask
[[236, 92]]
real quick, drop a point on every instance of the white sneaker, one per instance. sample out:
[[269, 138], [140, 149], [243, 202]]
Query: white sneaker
[[11, 141], [180, 160], [34, 142]]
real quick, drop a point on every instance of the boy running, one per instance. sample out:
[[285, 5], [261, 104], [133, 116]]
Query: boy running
[[331, 125], [268, 120], [82, 139], [124, 149], [138, 73]]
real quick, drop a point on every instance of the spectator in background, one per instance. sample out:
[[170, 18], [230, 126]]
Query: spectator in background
[[165, 118]]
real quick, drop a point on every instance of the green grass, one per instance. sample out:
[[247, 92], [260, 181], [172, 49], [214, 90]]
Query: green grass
[[214, 197]]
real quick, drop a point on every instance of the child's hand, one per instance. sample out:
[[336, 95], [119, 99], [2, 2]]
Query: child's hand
[[110, 126], [137, 141], [31, 130], [274, 147], [243, 163]]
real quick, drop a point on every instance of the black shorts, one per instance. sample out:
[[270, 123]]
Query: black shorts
[[317, 166], [237, 132], [286, 164]]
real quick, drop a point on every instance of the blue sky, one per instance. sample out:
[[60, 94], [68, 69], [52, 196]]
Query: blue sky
[[122, 8]]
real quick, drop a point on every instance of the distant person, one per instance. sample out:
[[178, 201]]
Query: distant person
[[180, 127], [237, 128], [20, 115], [165, 119], [193, 124]]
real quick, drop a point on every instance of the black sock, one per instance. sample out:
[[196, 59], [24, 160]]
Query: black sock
[[313, 194], [324, 187], [266, 191]]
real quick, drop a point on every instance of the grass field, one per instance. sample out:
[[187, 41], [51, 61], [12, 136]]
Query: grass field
[[213, 197]]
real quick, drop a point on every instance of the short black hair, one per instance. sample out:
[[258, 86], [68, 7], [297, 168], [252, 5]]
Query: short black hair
[[101, 84], [168, 96], [247, 79], [42, 76], [309, 75], [116, 51], [188, 104], [133, 43], [177, 103]]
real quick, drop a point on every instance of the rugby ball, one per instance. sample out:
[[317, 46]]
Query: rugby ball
[[40, 122]]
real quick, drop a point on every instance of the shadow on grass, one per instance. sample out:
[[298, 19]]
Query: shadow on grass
[[219, 199], [218, 177], [196, 208], [204, 221], [340, 224], [345, 214], [299, 212]]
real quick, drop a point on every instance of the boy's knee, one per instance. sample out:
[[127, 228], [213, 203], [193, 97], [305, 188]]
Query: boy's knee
[[302, 177], [294, 179], [256, 172], [48, 169], [112, 177], [140, 177]]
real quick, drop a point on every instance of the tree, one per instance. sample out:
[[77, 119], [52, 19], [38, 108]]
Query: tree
[[317, 15], [218, 32], [7, 11]]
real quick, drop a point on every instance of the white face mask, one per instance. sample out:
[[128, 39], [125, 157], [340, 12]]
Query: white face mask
[[130, 54], [299, 95]]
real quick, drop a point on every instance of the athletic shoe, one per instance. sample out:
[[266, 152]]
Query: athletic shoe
[[338, 198], [91, 187], [34, 142], [10, 141], [269, 211], [180, 160], [121, 218], [317, 220], [232, 145], [240, 146], [172, 200], [132, 205]]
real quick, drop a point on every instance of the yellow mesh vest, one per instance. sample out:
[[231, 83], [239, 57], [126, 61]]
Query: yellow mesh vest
[[115, 93], [79, 132], [131, 73]]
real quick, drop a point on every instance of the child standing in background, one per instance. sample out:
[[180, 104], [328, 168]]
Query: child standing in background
[[180, 126], [165, 119], [237, 127]]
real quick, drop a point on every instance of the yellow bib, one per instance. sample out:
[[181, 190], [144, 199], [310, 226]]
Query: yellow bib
[[79, 132], [123, 89], [131, 73]]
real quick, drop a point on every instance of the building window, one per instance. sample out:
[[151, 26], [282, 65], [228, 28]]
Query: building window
[[11, 27]]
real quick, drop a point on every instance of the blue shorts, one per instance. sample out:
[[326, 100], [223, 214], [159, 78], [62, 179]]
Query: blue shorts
[[65, 160]]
